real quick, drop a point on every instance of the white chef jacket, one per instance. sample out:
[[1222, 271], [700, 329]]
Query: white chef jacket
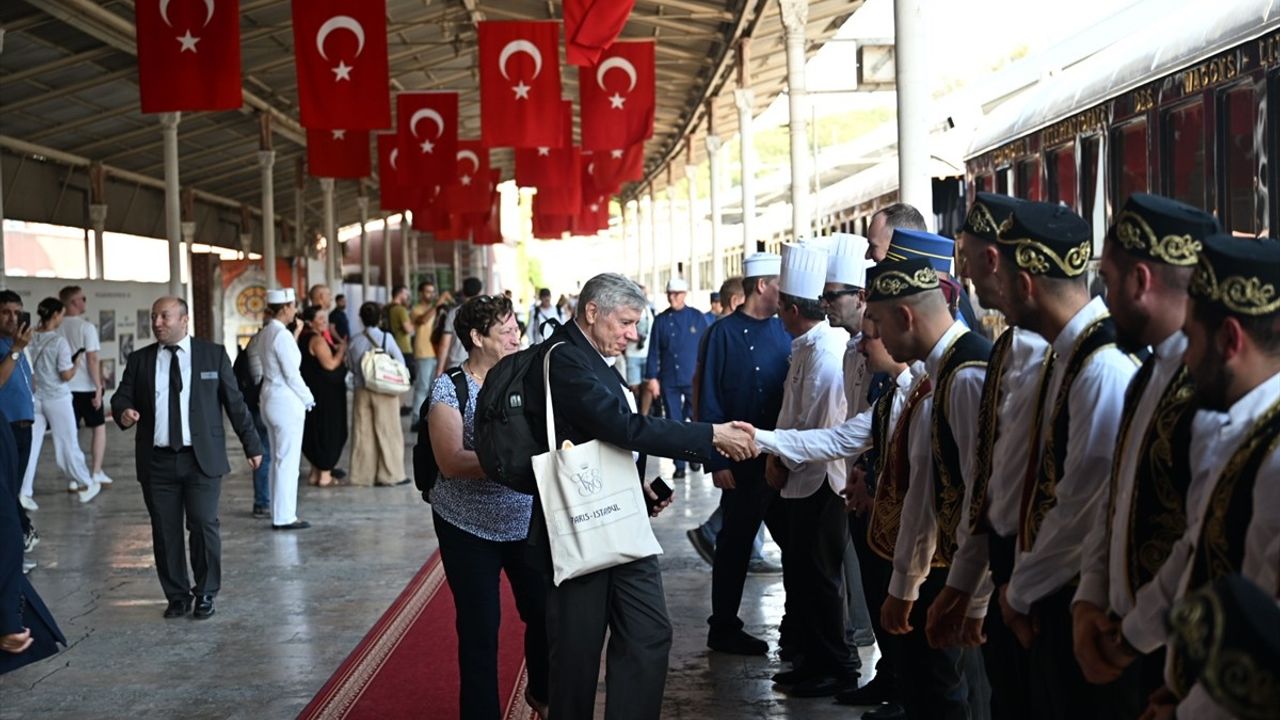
[[814, 398], [281, 363]]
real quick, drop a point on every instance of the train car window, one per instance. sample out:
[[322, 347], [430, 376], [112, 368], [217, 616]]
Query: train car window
[[1242, 132], [1090, 152], [1002, 181], [1184, 148], [1027, 183], [981, 183], [1062, 175], [1129, 158]]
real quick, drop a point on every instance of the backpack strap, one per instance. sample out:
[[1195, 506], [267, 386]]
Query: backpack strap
[[459, 379]]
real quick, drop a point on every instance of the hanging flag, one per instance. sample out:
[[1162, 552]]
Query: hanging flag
[[612, 168], [338, 153], [431, 216], [469, 193], [188, 55], [588, 221], [488, 229], [519, 84], [393, 193], [591, 26], [617, 97], [427, 125], [533, 164], [340, 51], [550, 227], [563, 194]]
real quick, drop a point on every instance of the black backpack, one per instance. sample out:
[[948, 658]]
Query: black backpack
[[425, 467], [244, 378], [504, 441]]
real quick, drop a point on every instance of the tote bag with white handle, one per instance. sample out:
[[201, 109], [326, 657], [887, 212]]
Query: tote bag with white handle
[[592, 501]]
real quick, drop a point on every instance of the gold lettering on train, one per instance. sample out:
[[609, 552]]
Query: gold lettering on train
[[1007, 154], [1269, 51], [1068, 129], [1210, 73], [1144, 99]]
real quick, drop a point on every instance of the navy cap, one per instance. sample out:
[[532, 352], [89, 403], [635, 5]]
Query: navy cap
[[907, 244], [1047, 240], [902, 278], [986, 214], [1161, 229], [1241, 275]]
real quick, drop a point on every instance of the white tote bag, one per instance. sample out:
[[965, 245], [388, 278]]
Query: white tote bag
[[383, 374], [592, 501]]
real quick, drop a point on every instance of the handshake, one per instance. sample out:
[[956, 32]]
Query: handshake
[[735, 440]]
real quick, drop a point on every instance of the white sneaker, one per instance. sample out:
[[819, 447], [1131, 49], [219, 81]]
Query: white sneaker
[[74, 487], [101, 478], [28, 502], [90, 493], [28, 566]]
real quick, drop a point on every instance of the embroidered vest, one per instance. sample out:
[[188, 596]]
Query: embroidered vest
[[968, 350], [988, 431], [893, 477], [1040, 495]]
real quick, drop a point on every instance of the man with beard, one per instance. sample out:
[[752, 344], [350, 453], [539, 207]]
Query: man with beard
[[1147, 261], [1045, 249], [1233, 358]]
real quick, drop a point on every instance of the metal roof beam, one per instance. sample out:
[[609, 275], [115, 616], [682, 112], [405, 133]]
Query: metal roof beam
[[60, 63], [65, 90]]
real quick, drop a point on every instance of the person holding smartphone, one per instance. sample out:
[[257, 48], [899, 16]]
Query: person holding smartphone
[[52, 368], [16, 400]]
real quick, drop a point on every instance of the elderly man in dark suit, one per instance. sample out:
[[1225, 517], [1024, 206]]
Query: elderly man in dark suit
[[175, 391], [591, 402]]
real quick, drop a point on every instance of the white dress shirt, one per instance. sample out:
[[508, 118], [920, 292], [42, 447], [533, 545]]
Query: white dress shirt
[[856, 378], [918, 531], [80, 333], [164, 359], [814, 398], [281, 364], [1103, 574], [1095, 402]]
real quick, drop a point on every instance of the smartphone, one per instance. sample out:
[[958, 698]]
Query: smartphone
[[662, 490], [24, 320], [76, 355]]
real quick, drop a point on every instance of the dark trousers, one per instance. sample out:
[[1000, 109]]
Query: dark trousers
[[677, 402], [1006, 663], [22, 435], [472, 565], [628, 601], [1126, 698], [934, 685], [876, 573], [814, 561], [262, 476], [173, 489], [1057, 688], [742, 510]]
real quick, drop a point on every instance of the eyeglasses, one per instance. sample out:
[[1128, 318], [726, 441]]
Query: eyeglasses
[[833, 295]]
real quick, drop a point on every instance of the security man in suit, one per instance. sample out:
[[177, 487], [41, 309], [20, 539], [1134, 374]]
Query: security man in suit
[[673, 356], [175, 391]]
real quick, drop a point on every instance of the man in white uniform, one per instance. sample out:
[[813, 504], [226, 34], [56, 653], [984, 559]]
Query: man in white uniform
[[285, 402], [86, 384]]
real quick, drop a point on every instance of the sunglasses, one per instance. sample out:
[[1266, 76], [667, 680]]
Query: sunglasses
[[833, 295]]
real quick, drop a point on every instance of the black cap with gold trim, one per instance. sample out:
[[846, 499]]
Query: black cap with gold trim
[[899, 279], [1240, 274], [986, 214], [1161, 229], [1046, 240]]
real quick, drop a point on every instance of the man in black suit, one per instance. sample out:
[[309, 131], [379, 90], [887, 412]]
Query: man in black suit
[[175, 391], [592, 402]]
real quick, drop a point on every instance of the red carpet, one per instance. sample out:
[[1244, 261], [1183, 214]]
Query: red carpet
[[407, 665]]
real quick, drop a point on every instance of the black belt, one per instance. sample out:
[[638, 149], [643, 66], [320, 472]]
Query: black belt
[[172, 451], [22, 423]]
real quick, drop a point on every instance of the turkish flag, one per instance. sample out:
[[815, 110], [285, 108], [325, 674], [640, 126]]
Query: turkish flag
[[519, 84], [470, 192], [394, 194], [488, 231], [591, 26], [611, 168], [617, 97], [340, 50], [427, 125], [431, 216], [563, 194], [591, 186], [551, 227], [533, 165], [188, 55], [338, 153], [588, 219]]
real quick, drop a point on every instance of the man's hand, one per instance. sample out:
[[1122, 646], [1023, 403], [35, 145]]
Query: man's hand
[[1091, 630], [129, 418], [733, 443], [775, 473], [97, 399], [971, 634], [723, 479], [16, 642], [1160, 706], [255, 462], [1020, 625], [945, 621], [657, 509], [856, 498], [895, 614], [22, 339], [653, 387]]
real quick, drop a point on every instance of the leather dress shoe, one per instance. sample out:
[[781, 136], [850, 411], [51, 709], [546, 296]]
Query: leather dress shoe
[[338, 473], [795, 676], [677, 475], [204, 607], [736, 642], [295, 525], [879, 690], [178, 607], [822, 686], [261, 511], [887, 711], [706, 548]]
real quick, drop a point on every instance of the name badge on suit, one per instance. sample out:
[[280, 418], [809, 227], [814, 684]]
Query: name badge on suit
[[209, 375]]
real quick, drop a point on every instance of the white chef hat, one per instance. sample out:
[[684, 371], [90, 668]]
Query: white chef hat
[[762, 264], [804, 270], [280, 296], [847, 262], [677, 284]]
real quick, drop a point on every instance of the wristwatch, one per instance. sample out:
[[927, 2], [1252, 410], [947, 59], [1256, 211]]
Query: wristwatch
[[15, 355]]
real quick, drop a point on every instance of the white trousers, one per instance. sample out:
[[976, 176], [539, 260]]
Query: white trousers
[[284, 415], [59, 416]]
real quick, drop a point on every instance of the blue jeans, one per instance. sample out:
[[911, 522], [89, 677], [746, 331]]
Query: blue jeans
[[262, 476], [422, 384], [678, 404]]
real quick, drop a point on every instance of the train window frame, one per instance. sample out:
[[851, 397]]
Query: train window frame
[[1207, 146], [1259, 88], [1047, 176], [1116, 165]]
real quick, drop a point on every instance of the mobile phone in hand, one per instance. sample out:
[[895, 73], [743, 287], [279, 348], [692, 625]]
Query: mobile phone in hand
[[24, 320], [662, 490], [76, 355]]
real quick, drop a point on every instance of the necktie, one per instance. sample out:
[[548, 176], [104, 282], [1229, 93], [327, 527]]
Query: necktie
[[175, 398]]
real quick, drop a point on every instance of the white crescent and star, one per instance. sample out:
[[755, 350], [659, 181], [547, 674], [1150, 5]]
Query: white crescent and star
[[429, 114], [339, 134], [615, 154], [339, 22], [617, 99], [475, 165], [187, 40], [395, 153], [512, 48]]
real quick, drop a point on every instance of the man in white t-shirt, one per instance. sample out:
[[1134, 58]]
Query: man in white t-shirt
[[86, 385]]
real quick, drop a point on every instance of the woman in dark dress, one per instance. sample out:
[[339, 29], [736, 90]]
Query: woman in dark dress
[[325, 432]]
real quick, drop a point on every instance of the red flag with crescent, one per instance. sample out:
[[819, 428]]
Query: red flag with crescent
[[591, 26], [188, 55], [338, 153], [393, 195], [487, 228], [519, 84], [563, 195], [534, 165], [340, 50], [617, 97], [612, 168], [427, 125], [469, 193]]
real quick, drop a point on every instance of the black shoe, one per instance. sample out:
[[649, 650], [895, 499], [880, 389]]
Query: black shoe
[[178, 607], [405, 481], [879, 690], [261, 511], [736, 642], [695, 467], [788, 653], [413, 426], [706, 549], [338, 473], [887, 711], [796, 675], [405, 411], [677, 475], [764, 566], [295, 525], [204, 608], [822, 686]]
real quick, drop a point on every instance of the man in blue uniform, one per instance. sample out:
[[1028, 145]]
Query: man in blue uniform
[[673, 355], [908, 244]]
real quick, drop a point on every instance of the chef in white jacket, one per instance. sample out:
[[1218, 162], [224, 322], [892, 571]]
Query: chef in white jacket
[[285, 401]]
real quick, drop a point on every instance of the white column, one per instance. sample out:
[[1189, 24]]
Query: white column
[[172, 201], [267, 161], [457, 264], [626, 241], [98, 218], [745, 101], [331, 245], [676, 257], [414, 262], [386, 255], [717, 252], [365, 283], [795, 15], [695, 273], [404, 252], [189, 237], [303, 243], [653, 240], [911, 67]]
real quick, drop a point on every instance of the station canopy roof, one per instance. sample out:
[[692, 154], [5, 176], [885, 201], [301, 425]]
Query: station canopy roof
[[69, 82]]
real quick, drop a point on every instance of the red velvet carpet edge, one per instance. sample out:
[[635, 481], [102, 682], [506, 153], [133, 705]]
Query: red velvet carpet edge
[[407, 664]]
